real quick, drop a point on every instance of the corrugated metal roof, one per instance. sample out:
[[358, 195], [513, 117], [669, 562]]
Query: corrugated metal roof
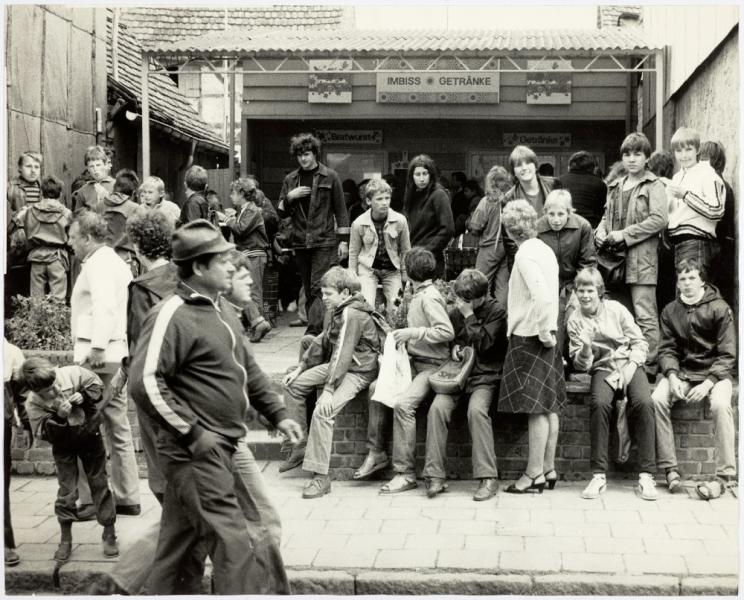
[[169, 108], [241, 41], [154, 24]]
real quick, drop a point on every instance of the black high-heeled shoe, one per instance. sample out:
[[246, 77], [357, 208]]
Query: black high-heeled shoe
[[550, 481], [534, 485]]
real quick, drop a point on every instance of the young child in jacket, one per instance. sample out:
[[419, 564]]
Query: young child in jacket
[[342, 360], [479, 321], [697, 356], [428, 338], [378, 244], [61, 407], [23, 190], [249, 234], [698, 202], [570, 237], [152, 195], [91, 194], [46, 224]]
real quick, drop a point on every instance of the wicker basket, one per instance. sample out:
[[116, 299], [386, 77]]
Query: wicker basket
[[460, 254]]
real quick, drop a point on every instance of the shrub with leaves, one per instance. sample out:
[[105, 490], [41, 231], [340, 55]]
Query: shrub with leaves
[[397, 316], [39, 323]]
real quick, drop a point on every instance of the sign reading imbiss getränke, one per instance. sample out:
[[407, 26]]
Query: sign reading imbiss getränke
[[450, 87]]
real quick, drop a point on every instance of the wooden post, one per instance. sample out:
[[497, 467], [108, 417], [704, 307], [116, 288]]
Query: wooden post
[[145, 71], [231, 124], [660, 76]]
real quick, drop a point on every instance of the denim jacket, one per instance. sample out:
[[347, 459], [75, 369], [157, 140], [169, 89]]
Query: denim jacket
[[327, 221], [364, 240]]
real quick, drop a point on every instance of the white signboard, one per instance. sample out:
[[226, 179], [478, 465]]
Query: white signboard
[[538, 140], [450, 87], [350, 136]]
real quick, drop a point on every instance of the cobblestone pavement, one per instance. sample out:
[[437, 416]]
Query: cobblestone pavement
[[356, 541], [355, 529]]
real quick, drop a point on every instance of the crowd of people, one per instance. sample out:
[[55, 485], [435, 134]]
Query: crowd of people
[[166, 299]]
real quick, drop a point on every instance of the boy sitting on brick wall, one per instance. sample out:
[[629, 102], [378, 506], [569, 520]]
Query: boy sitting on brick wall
[[61, 406], [428, 335], [697, 355], [479, 321], [342, 360]]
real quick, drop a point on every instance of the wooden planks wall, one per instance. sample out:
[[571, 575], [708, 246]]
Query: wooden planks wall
[[595, 96], [56, 76]]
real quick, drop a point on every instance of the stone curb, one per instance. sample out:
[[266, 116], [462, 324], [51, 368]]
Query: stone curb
[[76, 577]]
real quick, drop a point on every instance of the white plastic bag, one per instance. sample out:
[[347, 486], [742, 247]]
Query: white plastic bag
[[394, 376]]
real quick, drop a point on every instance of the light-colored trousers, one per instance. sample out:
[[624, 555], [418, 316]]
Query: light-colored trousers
[[391, 282], [481, 433], [117, 434], [723, 422]]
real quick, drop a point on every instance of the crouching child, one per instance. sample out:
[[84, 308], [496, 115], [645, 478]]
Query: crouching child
[[479, 321], [61, 407], [342, 360]]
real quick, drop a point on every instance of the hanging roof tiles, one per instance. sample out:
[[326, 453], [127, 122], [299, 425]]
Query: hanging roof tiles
[[170, 110], [237, 42], [152, 25]]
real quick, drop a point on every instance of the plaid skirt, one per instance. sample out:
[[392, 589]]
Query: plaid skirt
[[532, 380]]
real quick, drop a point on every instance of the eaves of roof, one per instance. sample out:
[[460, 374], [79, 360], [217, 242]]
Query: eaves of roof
[[154, 24], [170, 110], [242, 42]]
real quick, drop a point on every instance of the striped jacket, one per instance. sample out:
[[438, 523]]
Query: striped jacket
[[192, 370], [703, 204], [348, 343]]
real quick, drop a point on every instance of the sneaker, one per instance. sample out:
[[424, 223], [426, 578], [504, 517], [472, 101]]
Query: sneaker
[[596, 486], [131, 510], [11, 557], [486, 489], [63, 552], [295, 458], [318, 486], [647, 487], [109, 546], [260, 331]]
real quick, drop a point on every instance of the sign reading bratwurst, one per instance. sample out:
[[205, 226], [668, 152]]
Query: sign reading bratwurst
[[444, 87]]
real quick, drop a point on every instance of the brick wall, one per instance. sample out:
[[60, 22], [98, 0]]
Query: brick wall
[[693, 429]]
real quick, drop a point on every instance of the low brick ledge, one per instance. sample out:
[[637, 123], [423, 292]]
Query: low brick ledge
[[76, 578]]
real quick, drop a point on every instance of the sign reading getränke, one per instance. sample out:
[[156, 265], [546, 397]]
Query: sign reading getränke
[[450, 87]]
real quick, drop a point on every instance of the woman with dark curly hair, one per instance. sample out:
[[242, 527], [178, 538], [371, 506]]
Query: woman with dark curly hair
[[427, 207], [150, 232]]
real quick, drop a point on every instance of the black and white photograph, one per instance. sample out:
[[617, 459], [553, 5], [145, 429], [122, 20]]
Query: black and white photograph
[[431, 299]]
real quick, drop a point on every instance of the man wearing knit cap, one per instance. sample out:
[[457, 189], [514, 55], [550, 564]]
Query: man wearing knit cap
[[191, 371]]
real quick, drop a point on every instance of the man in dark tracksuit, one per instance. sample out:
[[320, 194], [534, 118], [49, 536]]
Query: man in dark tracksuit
[[190, 371]]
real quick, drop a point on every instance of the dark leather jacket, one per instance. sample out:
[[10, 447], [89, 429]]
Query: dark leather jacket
[[327, 222]]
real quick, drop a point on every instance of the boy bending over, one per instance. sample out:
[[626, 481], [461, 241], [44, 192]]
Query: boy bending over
[[61, 407]]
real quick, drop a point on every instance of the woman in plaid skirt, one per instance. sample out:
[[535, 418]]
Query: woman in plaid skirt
[[532, 381]]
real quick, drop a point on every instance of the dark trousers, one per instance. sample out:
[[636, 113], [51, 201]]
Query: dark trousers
[[92, 455], [312, 263], [9, 537], [200, 508], [640, 420]]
